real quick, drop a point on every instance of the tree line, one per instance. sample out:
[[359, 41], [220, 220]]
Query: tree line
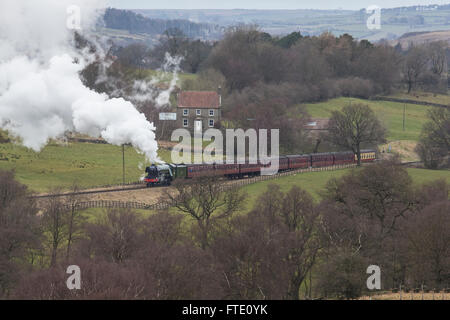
[[327, 65], [218, 245]]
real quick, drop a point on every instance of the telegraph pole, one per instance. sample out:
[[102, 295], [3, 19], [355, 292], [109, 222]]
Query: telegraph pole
[[123, 163], [404, 116]]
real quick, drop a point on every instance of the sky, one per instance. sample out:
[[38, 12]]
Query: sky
[[267, 4]]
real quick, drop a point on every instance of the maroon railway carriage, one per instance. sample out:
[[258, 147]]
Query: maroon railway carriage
[[200, 170], [292, 162], [344, 157], [227, 169], [299, 161], [249, 169], [322, 160], [283, 163]]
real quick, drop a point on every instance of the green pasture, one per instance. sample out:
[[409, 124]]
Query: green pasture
[[390, 113], [86, 164], [315, 182]]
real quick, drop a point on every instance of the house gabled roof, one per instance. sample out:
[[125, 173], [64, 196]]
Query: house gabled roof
[[199, 99]]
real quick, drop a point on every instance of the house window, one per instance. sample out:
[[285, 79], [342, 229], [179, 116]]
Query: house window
[[185, 122], [211, 123], [199, 112], [211, 113], [185, 112]]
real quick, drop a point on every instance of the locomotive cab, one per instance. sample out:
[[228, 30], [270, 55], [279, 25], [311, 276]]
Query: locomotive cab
[[158, 175]]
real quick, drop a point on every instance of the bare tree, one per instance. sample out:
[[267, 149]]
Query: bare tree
[[195, 54], [173, 41], [302, 220], [115, 237], [206, 201], [367, 205], [414, 66], [133, 56], [74, 217], [54, 222], [354, 126], [438, 57], [434, 144], [363, 214], [341, 275], [19, 229], [428, 245], [268, 253], [236, 57]]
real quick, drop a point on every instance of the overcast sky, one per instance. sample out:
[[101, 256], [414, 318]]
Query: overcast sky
[[267, 4]]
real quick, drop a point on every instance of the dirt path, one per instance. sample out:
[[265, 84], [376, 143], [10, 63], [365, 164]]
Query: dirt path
[[147, 196]]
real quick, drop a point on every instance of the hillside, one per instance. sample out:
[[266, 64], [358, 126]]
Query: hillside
[[395, 22], [423, 37], [125, 26], [391, 113], [401, 141]]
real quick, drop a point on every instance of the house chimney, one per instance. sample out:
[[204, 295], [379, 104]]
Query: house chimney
[[219, 91]]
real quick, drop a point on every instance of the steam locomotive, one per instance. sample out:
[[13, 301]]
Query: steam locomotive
[[165, 174]]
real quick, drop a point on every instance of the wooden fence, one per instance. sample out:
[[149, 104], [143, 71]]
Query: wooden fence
[[110, 204], [410, 294], [422, 103]]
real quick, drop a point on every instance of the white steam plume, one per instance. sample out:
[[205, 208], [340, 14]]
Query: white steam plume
[[41, 94], [147, 89]]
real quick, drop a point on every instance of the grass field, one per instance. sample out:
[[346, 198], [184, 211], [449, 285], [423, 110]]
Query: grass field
[[390, 113], [62, 165], [94, 215], [162, 76], [314, 182], [86, 164]]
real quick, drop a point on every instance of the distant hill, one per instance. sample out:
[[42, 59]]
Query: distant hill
[[129, 26], [148, 25], [395, 21], [423, 37]]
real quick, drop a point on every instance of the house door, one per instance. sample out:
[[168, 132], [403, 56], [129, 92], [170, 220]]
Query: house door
[[198, 126]]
